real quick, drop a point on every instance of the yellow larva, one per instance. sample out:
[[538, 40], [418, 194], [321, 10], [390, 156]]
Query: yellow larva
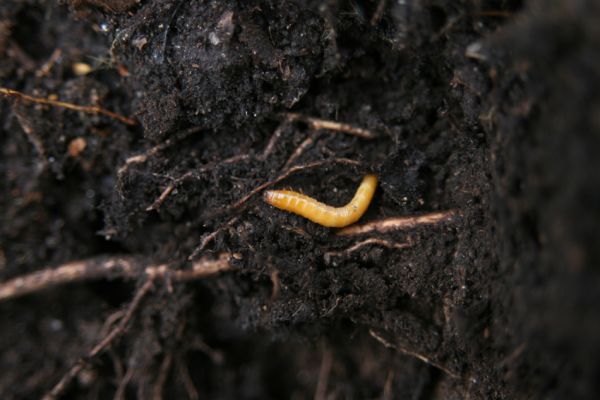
[[332, 217]]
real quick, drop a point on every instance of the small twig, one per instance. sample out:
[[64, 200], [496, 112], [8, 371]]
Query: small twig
[[306, 143], [62, 385], [325, 370], [207, 238], [410, 353], [367, 242], [317, 123], [105, 267], [286, 174], [399, 223], [74, 107]]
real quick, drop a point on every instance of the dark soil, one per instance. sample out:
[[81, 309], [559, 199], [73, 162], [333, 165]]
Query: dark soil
[[489, 108]]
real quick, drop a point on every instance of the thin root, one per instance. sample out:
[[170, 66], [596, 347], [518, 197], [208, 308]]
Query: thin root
[[209, 237], [123, 382], [297, 230], [306, 143], [400, 223], [324, 371], [270, 147], [105, 267], [276, 285], [387, 388], [317, 123], [163, 374], [413, 354], [167, 191], [33, 137], [142, 158], [163, 196], [192, 174], [378, 12], [367, 242], [186, 380], [69, 106], [47, 66], [199, 269], [62, 385], [167, 363]]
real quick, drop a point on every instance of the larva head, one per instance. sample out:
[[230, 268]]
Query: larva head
[[277, 198], [269, 196]]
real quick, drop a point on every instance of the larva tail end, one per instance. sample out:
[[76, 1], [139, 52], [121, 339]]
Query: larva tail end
[[371, 178]]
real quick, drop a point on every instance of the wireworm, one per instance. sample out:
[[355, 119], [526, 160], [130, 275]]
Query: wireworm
[[332, 217]]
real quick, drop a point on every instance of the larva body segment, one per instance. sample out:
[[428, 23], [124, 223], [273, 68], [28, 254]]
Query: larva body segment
[[333, 217]]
